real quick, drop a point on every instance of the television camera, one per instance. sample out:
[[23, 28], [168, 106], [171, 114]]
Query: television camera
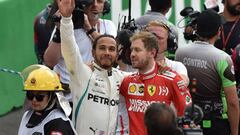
[[191, 16], [78, 12]]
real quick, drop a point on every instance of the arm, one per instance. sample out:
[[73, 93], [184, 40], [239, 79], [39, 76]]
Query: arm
[[185, 79], [232, 108], [181, 95], [88, 28], [225, 68], [52, 54], [182, 71], [70, 51], [105, 26]]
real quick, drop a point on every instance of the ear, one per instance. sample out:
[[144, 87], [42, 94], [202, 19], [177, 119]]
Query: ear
[[154, 53]]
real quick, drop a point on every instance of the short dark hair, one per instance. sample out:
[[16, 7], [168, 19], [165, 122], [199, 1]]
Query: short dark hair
[[208, 23], [160, 119], [160, 5], [99, 37]]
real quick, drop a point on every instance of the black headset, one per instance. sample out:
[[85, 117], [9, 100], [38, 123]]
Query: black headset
[[172, 39], [107, 7], [171, 42]]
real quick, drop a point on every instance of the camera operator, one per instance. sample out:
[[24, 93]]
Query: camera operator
[[93, 26], [230, 34], [159, 9], [161, 119], [213, 69]]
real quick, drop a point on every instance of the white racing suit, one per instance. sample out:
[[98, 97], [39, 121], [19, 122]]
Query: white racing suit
[[95, 93]]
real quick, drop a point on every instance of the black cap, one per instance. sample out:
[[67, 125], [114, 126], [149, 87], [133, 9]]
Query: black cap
[[208, 23]]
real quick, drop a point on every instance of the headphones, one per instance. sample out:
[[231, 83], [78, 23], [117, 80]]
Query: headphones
[[171, 42], [172, 39]]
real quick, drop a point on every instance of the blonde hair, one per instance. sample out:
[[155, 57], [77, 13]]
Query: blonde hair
[[158, 23], [149, 39]]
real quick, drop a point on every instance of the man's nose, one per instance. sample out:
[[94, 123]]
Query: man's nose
[[94, 2], [132, 53], [107, 51]]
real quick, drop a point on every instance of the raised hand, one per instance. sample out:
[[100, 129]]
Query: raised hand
[[66, 7]]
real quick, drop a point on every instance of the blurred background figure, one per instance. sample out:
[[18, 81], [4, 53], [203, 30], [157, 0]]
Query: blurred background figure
[[230, 32], [42, 33], [213, 69], [161, 119]]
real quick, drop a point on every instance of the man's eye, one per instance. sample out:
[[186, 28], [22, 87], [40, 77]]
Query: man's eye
[[102, 48], [112, 49]]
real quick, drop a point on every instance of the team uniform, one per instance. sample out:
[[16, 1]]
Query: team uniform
[[52, 122], [140, 90], [95, 92], [123, 121], [213, 70]]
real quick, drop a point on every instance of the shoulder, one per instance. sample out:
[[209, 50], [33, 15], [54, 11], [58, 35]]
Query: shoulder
[[119, 74], [58, 126], [118, 71], [173, 78], [169, 74], [131, 76], [220, 54], [182, 50], [177, 66], [173, 64]]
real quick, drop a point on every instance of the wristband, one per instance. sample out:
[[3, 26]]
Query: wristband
[[91, 31]]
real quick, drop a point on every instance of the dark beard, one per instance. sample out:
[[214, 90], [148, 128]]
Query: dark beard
[[104, 66], [232, 9]]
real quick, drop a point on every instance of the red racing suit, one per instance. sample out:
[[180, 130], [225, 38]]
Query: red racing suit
[[140, 90]]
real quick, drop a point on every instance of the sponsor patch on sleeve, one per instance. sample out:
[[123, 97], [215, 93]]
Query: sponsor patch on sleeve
[[169, 74], [181, 84], [188, 100]]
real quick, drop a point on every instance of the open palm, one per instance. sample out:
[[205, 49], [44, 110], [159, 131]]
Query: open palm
[[66, 7]]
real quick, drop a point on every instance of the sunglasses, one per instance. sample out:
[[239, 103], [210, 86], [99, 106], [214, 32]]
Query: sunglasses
[[38, 97]]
